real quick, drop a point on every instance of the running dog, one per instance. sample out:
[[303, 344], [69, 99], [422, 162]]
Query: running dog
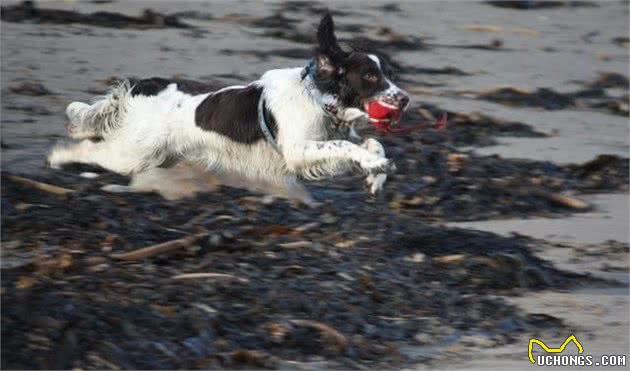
[[291, 123]]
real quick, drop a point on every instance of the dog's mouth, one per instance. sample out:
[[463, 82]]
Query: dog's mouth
[[383, 112]]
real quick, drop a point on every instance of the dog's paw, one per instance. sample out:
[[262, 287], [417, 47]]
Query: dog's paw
[[375, 182], [73, 129], [79, 131], [378, 165], [374, 146], [353, 115], [56, 158], [76, 110], [117, 188], [76, 126]]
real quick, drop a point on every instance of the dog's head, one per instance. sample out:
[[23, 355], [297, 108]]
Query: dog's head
[[359, 80]]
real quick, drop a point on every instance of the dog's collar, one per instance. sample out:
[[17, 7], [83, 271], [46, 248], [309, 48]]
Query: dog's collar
[[262, 121], [309, 69]]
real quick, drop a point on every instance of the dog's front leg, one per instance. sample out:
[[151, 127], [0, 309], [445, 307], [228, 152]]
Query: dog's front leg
[[375, 181], [301, 155]]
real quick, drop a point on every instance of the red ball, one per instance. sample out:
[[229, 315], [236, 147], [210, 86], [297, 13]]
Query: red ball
[[376, 110], [381, 114]]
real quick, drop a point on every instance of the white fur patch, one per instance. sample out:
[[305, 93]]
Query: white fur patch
[[376, 60], [392, 89]]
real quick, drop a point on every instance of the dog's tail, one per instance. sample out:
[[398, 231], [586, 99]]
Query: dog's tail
[[107, 113]]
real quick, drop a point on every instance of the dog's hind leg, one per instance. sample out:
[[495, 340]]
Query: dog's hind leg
[[104, 154]]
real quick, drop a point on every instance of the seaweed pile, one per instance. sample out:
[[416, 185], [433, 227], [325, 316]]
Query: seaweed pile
[[237, 279], [243, 280], [592, 96]]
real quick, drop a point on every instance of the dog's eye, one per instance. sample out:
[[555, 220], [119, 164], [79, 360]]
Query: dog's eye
[[370, 77]]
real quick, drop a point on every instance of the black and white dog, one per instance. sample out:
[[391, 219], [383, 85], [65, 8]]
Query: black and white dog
[[291, 123]]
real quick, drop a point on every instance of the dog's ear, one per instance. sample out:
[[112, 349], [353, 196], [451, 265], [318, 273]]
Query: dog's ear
[[327, 40], [329, 56], [325, 66]]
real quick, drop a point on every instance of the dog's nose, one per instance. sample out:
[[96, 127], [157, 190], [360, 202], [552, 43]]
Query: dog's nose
[[403, 100]]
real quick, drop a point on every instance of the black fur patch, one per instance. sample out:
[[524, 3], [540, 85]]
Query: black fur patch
[[155, 85], [354, 87], [234, 114], [352, 76]]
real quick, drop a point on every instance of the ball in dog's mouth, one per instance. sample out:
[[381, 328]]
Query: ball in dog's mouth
[[382, 114]]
